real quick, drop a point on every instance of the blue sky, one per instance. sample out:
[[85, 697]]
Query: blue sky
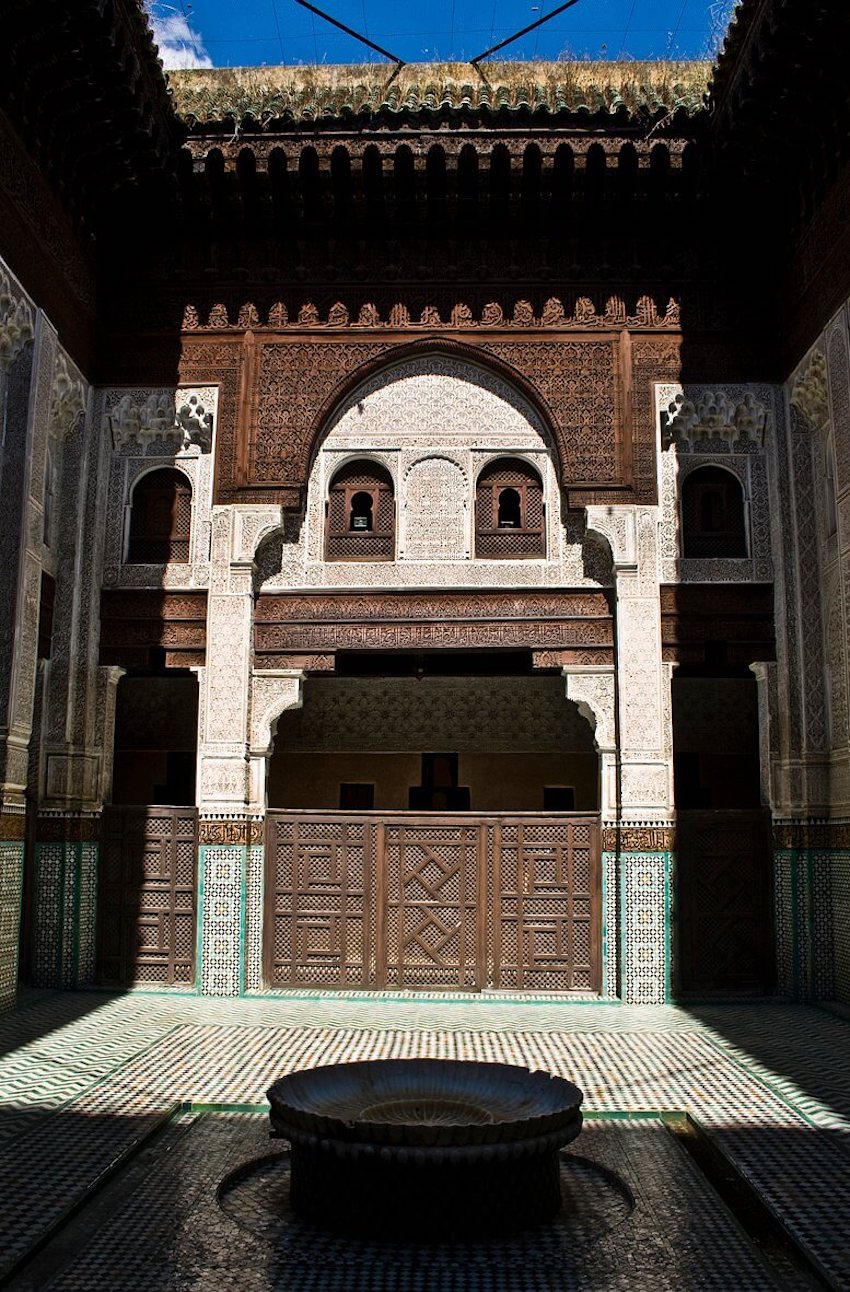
[[221, 33]]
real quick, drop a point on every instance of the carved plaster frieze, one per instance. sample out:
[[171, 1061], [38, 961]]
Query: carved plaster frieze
[[67, 398], [810, 393], [17, 322], [175, 419], [691, 416]]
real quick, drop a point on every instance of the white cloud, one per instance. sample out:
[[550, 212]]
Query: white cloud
[[179, 45]]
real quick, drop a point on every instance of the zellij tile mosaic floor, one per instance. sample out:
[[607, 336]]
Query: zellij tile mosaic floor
[[134, 1149]]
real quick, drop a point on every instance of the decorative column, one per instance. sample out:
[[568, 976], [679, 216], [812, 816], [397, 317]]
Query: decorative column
[[231, 821], [638, 832], [273, 691]]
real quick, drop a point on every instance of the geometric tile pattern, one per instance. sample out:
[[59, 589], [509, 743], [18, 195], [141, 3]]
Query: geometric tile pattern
[[644, 936], [11, 889], [222, 868], [254, 888], [840, 887], [87, 913], [65, 912], [48, 914], [637, 1209], [812, 915], [784, 921], [83, 1076], [610, 920]]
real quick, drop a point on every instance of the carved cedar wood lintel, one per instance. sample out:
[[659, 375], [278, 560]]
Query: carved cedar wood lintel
[[277, 392], [560, 627]]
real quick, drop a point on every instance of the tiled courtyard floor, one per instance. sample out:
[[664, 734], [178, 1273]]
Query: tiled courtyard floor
[[84, 1078]]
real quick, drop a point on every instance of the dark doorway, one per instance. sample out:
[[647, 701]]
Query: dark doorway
[[156, 740], [148, 862], [724, 929]]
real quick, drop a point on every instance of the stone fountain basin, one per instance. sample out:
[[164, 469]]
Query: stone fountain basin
[[428, 1145], [424, 1102]]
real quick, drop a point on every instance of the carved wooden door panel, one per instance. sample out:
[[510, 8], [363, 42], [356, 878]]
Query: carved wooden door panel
[[724, 926], [146, 895], [320, 901], [546, 881], [432, 904]]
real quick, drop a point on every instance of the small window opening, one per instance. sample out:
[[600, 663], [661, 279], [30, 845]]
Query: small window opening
[[160, 519], [559, 798], [510, 510], [360, 522], [362, 508], [713, 515], [356, 796]]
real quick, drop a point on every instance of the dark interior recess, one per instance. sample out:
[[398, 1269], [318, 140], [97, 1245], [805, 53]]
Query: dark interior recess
[[462, 663]]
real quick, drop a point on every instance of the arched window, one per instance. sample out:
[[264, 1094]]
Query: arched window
[[160, 519], [509, 512], [713, 522], [361, 514]]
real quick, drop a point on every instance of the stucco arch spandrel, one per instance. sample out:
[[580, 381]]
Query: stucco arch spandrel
[[617, 526], [251, 527], [448, 358], [592, 691], [273, 691]]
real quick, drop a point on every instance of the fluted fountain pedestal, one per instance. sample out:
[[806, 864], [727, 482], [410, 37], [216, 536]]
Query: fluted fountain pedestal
[[435, 1147]]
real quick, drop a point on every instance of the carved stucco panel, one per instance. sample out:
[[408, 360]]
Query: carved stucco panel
[[250, 528], [159, 441], [229, 631], [644, 788], [838, 371], [593, 690], [618, 527], [272, 692], [733, 447], [435, 521], [639, 664], [836, 650]]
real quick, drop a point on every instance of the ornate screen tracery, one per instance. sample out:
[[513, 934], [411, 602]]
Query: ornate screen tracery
[[509, 512], [161, 519], [361, 514]]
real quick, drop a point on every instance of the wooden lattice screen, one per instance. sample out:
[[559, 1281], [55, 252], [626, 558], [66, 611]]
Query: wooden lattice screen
[[713, 518], [433, 900], [361, 515], [509, 512], [160, 519], [146, 900]]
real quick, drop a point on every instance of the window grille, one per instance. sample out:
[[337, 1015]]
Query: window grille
[[509, 512], [361, 514], [160, 519], [713, 520]]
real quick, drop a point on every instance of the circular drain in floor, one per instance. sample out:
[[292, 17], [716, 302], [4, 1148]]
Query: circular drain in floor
[[256, 1198]]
